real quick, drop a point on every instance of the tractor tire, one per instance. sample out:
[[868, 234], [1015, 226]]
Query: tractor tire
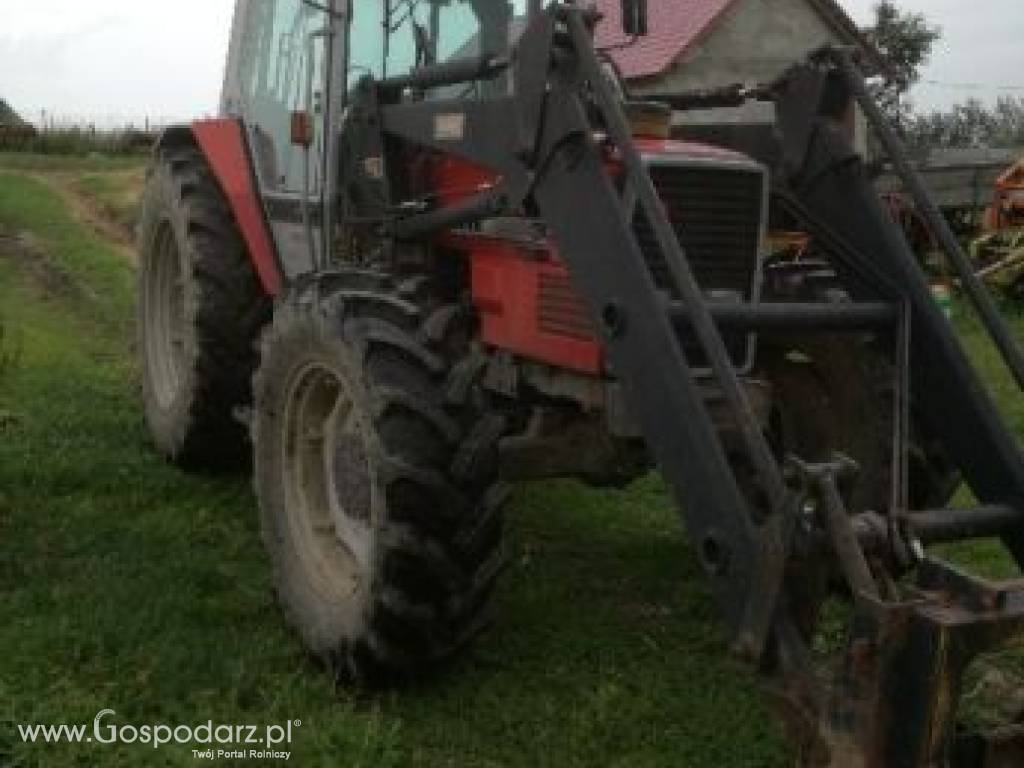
[[201, 308], [376, 470]]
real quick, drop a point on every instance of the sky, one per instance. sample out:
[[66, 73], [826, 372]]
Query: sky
[[120, 61], [981, 44], [113, 61]]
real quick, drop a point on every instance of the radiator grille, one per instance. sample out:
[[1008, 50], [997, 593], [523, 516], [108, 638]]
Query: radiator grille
[[716, 212]]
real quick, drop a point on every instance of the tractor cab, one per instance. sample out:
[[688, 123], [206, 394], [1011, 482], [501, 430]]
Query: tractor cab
[[293, 67], [297, 86]]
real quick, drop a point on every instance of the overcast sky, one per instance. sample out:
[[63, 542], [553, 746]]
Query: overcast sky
[[114, 61], [981, 44]]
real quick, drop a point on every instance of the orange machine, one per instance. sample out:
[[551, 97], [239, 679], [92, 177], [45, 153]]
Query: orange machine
[[1007, 210]]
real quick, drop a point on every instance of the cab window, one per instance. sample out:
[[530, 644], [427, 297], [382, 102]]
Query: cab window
[[283, 62], [419, 32]]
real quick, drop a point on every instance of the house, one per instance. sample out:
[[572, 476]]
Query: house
[[12, 128], [697, 44]]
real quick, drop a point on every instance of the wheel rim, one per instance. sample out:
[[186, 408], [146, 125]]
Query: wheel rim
[[327, 481], [165, 322]]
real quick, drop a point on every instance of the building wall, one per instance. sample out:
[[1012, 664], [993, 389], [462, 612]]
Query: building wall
[[755, 42]]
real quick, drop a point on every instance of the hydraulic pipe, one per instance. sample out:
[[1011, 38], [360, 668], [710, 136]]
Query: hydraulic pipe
[[939, 526], [947, 525], [451, 73], [816, 318], [480, 205]]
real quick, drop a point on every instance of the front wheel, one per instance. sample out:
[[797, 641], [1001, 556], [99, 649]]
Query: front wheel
[[376, 477]]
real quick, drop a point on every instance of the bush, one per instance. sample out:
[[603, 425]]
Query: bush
[[75, 140]]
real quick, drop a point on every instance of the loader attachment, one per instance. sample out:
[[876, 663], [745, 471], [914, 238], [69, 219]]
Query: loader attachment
[[895, 702], [561, 146], [900, 690]]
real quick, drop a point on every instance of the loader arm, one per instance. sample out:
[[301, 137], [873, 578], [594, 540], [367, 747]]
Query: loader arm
[[551, 142]]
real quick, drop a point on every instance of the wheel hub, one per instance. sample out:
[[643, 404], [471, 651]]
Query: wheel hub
[[327, 480], [166, 318]]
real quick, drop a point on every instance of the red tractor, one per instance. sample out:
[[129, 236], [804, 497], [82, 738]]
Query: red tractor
[[431, 246]]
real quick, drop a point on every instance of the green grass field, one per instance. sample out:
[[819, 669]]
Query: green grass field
[[115, 195], [131, 586]]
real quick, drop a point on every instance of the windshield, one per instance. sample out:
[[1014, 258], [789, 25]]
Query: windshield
[[392, 37]]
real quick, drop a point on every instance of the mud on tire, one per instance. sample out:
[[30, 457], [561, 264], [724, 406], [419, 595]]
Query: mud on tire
[[376, 470], [200, 311]]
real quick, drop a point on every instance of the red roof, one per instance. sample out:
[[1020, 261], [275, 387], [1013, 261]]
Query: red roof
[[673, 27], [676, 25]]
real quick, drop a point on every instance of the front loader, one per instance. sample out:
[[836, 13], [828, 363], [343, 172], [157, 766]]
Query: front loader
[[431, 247]]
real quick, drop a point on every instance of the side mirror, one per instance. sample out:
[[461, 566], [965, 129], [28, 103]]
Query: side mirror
[[634, 17]]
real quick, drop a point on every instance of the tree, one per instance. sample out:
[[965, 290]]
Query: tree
[[8, 116], [905, 41], [970, 125], [1009, 120], [963, 126]]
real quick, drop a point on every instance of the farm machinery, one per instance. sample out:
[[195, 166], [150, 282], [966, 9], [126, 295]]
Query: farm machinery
[[983, 202], [1000, 250], [431, 247]]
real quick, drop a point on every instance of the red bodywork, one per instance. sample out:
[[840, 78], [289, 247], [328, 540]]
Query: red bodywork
[[224, 147], [522, 291], [527, 304]]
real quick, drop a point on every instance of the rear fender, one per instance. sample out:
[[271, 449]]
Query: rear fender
[[222, 142]]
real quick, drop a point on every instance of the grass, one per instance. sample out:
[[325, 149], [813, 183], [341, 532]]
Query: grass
[[988, 558], [986, 359], [94, 162], [70, 259], [114, 195], [127, 584], [106, 189], [8, 350]]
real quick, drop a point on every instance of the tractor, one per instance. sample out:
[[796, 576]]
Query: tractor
[[430, 248]]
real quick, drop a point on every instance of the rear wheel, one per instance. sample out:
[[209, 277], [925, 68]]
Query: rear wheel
[[200, 310], [376, 470]]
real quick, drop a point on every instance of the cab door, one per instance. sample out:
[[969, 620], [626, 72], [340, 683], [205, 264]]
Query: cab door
[[279, 64]]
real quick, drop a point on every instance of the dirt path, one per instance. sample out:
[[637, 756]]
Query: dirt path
[[54, 281], [24, 250], [87, 211]]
